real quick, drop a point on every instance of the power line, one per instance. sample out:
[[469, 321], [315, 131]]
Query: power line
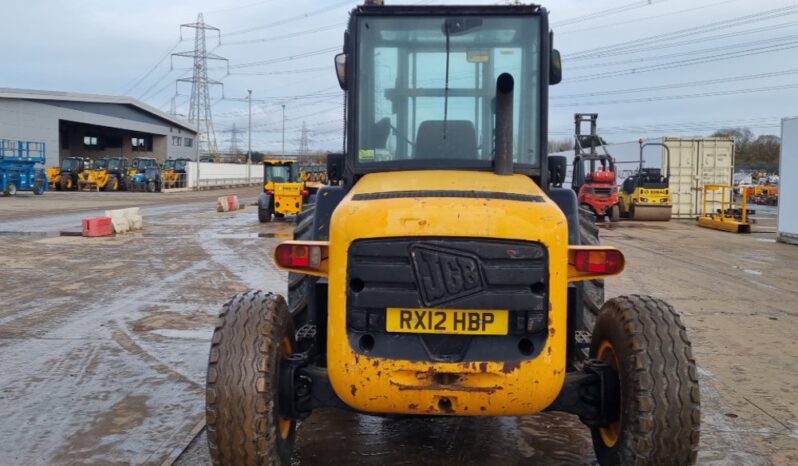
[[681, 85], [278, 72], [240, 7], [686, 32], [679, 97], [287, 35], [645, 18], [776, 41], [152, 68], [290, 19], [606, 12], [298, 56], [682, 127], [660, 46], [688, 62]]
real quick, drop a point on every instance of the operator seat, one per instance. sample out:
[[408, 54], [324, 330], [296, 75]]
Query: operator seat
[[460, 142]]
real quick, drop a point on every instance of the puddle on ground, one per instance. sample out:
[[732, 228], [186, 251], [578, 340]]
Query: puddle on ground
[[348, 438], [56, 234]]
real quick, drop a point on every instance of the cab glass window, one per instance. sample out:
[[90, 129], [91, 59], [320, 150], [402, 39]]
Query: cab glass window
[[427, 87]]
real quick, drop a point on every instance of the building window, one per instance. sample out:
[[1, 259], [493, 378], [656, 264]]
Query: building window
[[141, 144], [189, 142], [91, 142], [177, 141]]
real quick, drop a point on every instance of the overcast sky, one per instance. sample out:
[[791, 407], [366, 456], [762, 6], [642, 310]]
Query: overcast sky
[[711, 63]]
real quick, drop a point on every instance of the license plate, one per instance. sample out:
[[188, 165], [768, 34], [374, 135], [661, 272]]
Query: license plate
[[451, 321]]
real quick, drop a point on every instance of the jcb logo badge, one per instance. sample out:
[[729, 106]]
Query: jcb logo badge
[[444, 275]]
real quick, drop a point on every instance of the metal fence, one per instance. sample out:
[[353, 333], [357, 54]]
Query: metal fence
[[210, 183]]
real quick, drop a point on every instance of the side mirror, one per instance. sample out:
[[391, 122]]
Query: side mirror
[[558, 166], [555, 67], [335, 167], [340, 69]]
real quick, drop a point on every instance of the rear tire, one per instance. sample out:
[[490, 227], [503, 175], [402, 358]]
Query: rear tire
[[253, 333], [615, 213], [112, 184], [11, 189], [300, 286], [593, 290], [264, 215], [645, 341]]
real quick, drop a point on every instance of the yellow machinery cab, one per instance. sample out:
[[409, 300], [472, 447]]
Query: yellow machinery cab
[[284, 190]]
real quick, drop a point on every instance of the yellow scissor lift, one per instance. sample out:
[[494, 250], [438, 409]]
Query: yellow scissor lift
[[727, 218]]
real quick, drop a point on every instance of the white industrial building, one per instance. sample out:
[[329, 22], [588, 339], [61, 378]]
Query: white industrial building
[[93, 125]]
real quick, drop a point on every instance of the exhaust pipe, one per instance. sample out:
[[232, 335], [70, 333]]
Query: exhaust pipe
[[503, 163]]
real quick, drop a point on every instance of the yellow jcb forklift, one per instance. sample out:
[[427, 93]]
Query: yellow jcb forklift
[[65, 177], [443, 272], [173, 173], [646, 195], [284, 190], [98, 176]]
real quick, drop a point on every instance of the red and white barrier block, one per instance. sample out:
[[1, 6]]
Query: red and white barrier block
[[227, 204]]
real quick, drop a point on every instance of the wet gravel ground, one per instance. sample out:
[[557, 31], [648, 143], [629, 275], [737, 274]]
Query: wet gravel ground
[[105, 341]]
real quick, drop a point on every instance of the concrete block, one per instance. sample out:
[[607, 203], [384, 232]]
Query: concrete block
[[125, 220], [222, 205]]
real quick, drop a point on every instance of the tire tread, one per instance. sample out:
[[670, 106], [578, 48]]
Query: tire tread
[[242, 367], [665, 408]]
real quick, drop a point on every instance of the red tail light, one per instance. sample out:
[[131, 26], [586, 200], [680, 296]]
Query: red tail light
[[308, 256], [305, 192], [598, 261], [269, 192]]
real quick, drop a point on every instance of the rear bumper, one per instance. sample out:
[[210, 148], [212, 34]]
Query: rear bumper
[[287, 205], [390, 380]]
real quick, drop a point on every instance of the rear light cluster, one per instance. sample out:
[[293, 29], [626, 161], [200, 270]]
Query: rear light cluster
[[299, 255], [598, 261]]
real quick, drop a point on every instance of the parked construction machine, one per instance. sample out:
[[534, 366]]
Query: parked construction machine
[[442, 273], [117, 169], [285, 192], [22, 167], [100, 175], [139, 166], [646, 195], [593, 177], [65, 177], [173, 173]]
